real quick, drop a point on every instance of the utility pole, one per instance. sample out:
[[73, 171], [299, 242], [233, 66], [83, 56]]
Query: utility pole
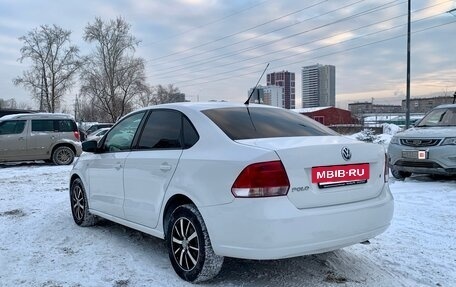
[[407, 96]]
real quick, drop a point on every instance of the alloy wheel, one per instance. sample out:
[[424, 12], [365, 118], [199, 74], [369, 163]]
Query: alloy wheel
[[185, 245], [78, 202], [64, 156]]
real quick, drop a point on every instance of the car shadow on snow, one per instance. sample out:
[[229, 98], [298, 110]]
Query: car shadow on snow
[[25, 163], [324, 269], [431, 178]]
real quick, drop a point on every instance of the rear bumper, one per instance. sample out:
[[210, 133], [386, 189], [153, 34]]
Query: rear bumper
[[425, 170], [273, 228]]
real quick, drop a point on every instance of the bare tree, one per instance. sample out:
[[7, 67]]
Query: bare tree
[[12, 104], [54, 61], [147, 99], [8, 104], [161, 95], [113, 78]]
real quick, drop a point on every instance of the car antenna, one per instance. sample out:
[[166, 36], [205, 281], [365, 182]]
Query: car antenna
[[247, 102]]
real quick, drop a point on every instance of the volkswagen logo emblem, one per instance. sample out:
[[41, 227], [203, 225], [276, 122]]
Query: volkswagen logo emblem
[[346, 153]]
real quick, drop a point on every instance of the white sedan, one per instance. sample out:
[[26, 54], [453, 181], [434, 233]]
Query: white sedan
[[224, 179]]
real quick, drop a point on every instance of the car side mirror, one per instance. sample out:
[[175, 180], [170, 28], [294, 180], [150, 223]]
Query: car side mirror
[[90, 146]]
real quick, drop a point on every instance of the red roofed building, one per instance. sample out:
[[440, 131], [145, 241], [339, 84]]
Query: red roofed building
[[329, 116]]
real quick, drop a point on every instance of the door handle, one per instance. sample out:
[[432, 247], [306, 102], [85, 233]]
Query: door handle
[[118, 166], [165, 167], [21, 138]]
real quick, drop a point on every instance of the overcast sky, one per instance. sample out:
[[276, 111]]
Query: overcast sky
[[217, 50]]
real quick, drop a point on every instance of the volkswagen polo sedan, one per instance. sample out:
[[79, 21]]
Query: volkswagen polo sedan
[[223, 179]]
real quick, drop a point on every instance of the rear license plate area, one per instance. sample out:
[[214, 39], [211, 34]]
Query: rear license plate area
[[340, 175]]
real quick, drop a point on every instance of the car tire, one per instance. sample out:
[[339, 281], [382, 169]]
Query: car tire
[[400, 174], [80, 205], [189, 246], [63, 155]]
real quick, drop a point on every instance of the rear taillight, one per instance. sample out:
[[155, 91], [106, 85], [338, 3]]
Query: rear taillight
[[386, 170], [262, 180], [76, 135]]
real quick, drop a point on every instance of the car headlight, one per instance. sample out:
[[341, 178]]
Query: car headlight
[[449, 141], [394, 140]]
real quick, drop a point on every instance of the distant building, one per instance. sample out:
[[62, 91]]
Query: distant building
[[362, 108], [268, 95], [329, 116], [417, 106], [318, 86], [286, 80], [424, 105]]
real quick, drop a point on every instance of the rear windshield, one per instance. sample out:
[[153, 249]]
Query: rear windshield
[[256, 122]]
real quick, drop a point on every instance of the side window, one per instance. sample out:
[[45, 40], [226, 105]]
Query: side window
[[162, 131], [121, 136], [12, 127], [66, 125], [189, 132], [42, 125]]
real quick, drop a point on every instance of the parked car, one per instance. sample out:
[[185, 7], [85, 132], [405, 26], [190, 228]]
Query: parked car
[[39, 136], [429, 147], [98, 134], [223, 179], [98, 126]]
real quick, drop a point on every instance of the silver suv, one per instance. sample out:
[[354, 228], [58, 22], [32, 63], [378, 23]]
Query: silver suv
[[429, 147], [39, 136]]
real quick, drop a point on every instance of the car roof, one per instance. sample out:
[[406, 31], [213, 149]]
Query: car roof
[[101, 124], [37, 116], [100, 130], [201, 106], [446, 106]]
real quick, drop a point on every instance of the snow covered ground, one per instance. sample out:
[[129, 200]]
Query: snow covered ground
[[41, 246]]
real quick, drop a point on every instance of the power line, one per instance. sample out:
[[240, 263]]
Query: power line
[[237, 33], [320, 56], [210, 23], [255, 37], [314, 41], [366, 12]]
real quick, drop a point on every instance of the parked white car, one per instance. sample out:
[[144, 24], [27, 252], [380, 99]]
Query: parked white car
[[223, 179]]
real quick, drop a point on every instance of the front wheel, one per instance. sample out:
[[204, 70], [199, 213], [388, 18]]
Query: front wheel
[[79, 205], [63, 155], [189, 246]]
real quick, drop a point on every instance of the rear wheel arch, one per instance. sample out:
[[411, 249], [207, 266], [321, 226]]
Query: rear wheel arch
[[172, 203]]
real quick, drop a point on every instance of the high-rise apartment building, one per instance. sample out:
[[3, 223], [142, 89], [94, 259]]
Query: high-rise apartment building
[[318, 86], [268, 95], [286, 80]]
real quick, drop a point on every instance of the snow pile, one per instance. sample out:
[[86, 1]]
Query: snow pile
[[368, 135], [41, 246], [391, 129]]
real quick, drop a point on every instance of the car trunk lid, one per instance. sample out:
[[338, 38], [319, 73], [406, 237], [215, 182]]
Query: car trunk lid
[[318, 173]]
